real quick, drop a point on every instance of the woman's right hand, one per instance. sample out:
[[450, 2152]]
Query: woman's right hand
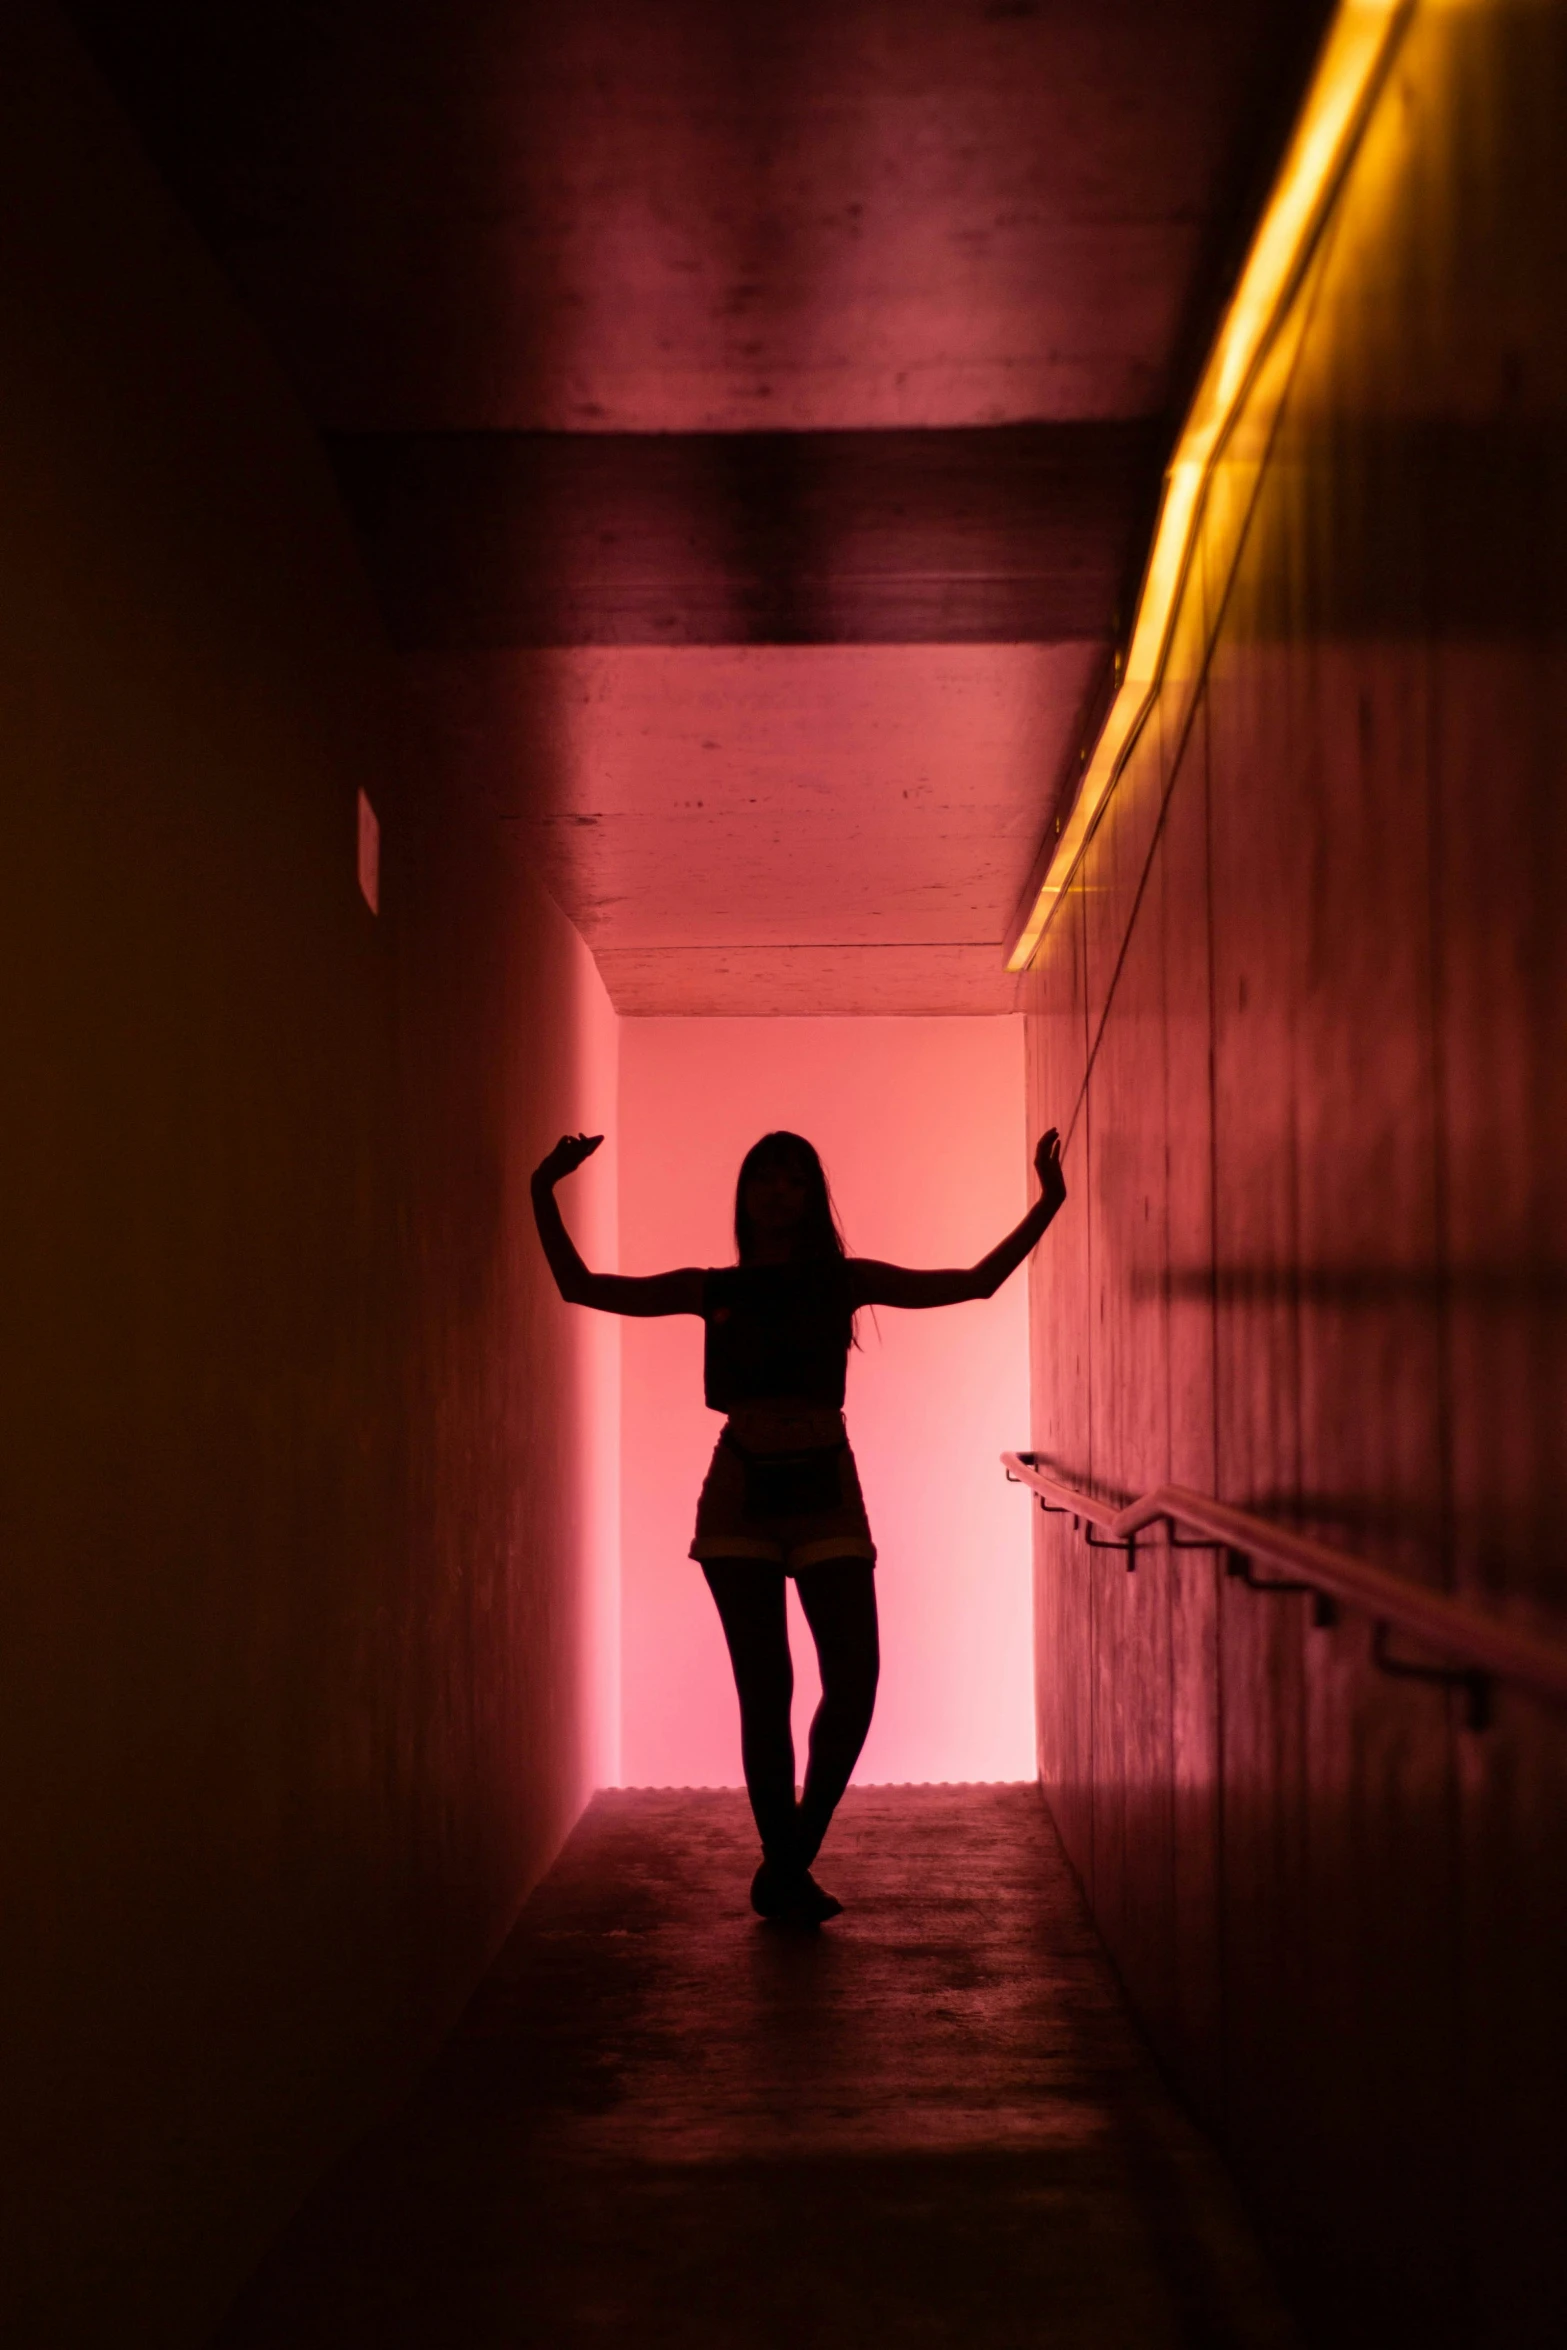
[[565, 1158]]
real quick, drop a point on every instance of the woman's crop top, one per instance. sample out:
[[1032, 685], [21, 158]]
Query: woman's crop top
[[775, 1331]]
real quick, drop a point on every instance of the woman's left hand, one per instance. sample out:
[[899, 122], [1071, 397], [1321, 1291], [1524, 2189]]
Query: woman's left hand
[[1047, 1166]]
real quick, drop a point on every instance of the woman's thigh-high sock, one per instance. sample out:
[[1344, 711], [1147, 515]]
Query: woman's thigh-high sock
[[751, 1608], [839, 1600]]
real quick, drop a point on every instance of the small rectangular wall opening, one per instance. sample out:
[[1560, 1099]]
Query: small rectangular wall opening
[[369, 855]]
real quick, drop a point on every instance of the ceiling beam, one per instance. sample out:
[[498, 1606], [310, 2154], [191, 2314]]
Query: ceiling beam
[[1012, 534]]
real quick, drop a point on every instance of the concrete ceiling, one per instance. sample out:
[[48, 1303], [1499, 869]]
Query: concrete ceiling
[[752, 417]]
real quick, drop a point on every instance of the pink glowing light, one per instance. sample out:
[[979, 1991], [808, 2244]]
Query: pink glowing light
[[920, 1123]]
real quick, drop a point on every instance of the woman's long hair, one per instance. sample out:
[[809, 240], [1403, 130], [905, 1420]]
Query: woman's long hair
[[818, 1235]]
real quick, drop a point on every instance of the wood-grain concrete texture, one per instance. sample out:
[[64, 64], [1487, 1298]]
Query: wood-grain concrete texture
[[664, 2122], [1320, 1190], [301, 1501], [843, 335]]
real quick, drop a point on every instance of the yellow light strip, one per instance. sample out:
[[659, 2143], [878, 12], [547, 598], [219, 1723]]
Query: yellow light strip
[[1357, 48]]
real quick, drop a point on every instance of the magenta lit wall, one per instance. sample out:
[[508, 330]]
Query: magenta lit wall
[[920, 1124], [1314, 1258]]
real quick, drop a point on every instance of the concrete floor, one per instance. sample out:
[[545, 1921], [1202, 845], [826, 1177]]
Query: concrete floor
[[663, 2123]]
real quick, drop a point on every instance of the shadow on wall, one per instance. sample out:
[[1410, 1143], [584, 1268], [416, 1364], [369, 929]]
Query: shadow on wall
[[305, 1548]]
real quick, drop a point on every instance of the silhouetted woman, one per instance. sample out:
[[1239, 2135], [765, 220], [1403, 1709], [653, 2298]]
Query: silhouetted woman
[[782, 1497]]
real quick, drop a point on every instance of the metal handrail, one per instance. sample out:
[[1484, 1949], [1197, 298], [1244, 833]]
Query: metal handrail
[[1479, 1645]]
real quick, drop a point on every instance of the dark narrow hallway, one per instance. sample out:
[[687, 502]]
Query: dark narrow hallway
[[977, 590], [660, 2122]]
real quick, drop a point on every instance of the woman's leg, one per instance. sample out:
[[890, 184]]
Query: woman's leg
[[839, 1599], [750, 1599]]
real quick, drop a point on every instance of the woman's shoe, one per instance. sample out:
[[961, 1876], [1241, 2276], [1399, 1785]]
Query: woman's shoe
[[774, 1890], [792, 1895], [816, 1904]]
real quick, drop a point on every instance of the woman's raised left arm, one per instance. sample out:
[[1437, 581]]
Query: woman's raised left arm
[[874, 1284]]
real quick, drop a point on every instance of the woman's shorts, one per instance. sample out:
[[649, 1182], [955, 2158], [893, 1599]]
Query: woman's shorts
[[788, 1510]]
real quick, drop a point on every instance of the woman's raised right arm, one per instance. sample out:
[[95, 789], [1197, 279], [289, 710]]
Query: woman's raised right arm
[[612, 1293]]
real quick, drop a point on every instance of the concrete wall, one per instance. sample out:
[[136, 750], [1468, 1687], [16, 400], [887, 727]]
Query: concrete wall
[[919, 1123], [303, 1542], [1313, 1258]]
